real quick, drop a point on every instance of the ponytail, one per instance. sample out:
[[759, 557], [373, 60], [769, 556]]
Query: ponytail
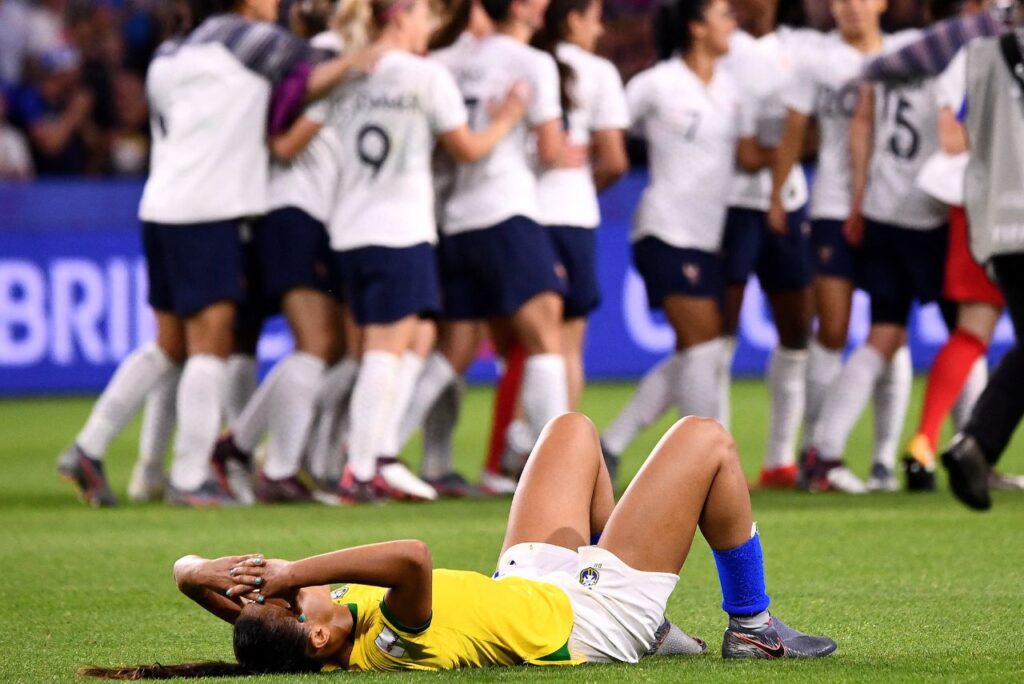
[[210, 668], [554, 32], [454, 21], [354, 20], [263, 644]]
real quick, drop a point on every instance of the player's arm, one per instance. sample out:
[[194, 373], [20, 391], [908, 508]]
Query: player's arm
[[862, 144], [554, 151], [404, 567], [326, 75], [466, 145], [609, 160], [286, 146], [952, 133], [752, 156], [786, 155], [207, 582]]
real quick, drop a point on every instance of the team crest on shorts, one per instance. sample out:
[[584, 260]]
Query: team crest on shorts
[[692, 273], [589, 577]]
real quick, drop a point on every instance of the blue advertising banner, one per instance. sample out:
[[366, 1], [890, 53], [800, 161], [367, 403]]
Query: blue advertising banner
[[73, 295]]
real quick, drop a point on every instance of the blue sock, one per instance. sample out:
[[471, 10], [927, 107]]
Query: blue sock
[[741, 574]]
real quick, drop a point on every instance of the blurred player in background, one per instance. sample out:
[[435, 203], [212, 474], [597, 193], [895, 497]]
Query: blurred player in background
[[823, 87], [383, 225], [697, 127], [901, 234]]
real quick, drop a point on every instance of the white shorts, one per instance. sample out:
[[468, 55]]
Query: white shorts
[[616, 608]]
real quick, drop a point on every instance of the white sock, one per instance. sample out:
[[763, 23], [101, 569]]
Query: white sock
[[725, 379], [293, 406], [253, 422], [697, 368], [408, 375], [158, 421], [200, 406], [846, 400], [438, 429], [787, 371], [332, 403], [823, 367], [372, 398], [437, 375], [138, 373], [241, 385], [545, 392], [973, 387], [652, 398], [891, 397]]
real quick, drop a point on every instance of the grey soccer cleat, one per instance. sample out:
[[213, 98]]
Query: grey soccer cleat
[[669, 640], [86, 473], [207, 495], [775, 639], [882, 479]]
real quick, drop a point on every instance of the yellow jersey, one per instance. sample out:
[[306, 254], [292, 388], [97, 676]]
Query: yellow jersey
[[476, 622]]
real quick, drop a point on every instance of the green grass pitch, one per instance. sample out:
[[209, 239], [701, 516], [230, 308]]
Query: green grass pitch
[[911, 587]]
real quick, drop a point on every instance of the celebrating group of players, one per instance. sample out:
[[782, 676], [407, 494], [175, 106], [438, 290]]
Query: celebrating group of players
[[415, 177]]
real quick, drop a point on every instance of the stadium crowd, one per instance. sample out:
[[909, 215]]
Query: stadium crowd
[[397, 208]]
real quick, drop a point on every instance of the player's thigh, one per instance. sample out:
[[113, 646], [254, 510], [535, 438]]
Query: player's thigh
[[979, 319], [211, 330], [460, 342], [310, 315], [394, 338], [695, 320], [791, 310], [170, 335], [833, 301], [552, 503], [538, 323]]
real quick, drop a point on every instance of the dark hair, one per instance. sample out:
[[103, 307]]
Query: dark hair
[[497, 10], [313, 15], [790, 13], [453, 23], [262, 646], [554, 31], [201, 10], [671, 25]]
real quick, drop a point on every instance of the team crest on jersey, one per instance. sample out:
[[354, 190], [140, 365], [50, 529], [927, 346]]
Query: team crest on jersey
[[390, 643], [339, 592], [589, 577]]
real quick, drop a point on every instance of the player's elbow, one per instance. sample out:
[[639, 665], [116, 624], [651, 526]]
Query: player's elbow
[[417, 556]]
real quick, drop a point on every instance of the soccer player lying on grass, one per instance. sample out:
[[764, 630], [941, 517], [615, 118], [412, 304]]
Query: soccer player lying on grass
[[553, 599]]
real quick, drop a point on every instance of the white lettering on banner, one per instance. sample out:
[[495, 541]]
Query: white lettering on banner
[[77, 294], [118, 303], [23, 325], [646, 333]]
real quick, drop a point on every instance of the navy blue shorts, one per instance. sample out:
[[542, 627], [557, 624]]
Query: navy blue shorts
[[494, 271], [899, 265], [781, 262], [833, 255], [576, 250], [192, 266], [386, 284], [292, 250], [669, 270]]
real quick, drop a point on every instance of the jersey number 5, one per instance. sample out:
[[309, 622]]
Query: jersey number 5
[[373, 147], [905, 139]]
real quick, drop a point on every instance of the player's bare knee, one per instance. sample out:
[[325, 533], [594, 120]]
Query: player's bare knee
[[573, 425], [705, 436]]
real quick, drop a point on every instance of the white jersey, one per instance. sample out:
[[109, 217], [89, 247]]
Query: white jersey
[[503, 184], [691, 130], [386, 124], [310, 180], [942, 176], [567, 196], [762, 68], [906, 134], [951, 84], [209, 96], [824, 85]]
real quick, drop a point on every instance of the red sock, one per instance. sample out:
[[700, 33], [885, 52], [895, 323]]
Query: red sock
[[505, 405], [948, 374]]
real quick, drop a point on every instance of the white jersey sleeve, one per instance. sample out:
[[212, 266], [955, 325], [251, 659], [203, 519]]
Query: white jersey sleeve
[[545, 103], [609, 108], [447, 109], [951, 86]]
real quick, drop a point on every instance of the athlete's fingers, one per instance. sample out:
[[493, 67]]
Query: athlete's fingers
[[238, 590], [248, 580], [249, 568]]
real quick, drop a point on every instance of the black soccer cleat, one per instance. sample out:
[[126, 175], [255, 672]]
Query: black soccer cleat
[[968, 472], [86, 473], [920, 478], [774, 639], [224, 451]]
